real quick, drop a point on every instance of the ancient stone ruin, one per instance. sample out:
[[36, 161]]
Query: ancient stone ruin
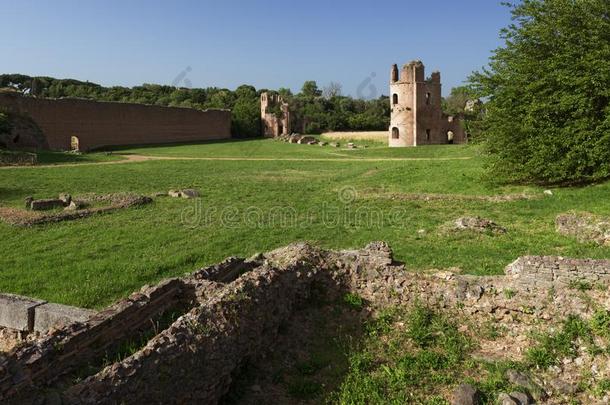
[[99, 124], [67, 208], [275, 115], [196, 332], [586, 227], [417, 117]]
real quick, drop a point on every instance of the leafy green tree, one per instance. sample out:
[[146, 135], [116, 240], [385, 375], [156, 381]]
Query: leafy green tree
[[310, 113], [547, 119], [245, 115], [463, 102], [455, 104], [310, 89]]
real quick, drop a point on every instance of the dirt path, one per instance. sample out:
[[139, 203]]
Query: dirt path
[[143, 158]]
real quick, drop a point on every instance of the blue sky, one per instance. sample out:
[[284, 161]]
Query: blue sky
[[267, 43]]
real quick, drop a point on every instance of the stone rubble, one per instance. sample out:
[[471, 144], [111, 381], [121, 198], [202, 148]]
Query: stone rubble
[[478, 224], [233, 311], [585, 226]]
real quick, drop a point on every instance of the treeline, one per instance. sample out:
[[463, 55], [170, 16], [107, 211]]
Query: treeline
[[313, 110]]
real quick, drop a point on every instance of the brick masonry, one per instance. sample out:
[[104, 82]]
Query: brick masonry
[[98, 124], [550, 271], [231, 312]]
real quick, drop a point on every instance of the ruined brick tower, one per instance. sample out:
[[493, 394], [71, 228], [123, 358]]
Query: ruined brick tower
[[417, 117], [275, 115]]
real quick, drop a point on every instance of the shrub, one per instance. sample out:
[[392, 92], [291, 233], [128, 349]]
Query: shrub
[[551, 348], [548, 115], [600, 323], [353, 301]]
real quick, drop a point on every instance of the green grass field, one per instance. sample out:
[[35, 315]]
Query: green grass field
[[264, 194]]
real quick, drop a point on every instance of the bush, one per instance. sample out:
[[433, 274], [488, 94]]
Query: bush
[[548, 115]]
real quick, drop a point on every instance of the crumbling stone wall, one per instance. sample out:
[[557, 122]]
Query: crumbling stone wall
[[236, 310], [417, 117], [549, 271], [272, 124], [586, 227], [98, 124], [30, 368], [18, 159]]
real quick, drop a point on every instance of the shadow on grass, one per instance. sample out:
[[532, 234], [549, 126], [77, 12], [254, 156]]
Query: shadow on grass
[[170, 144], [14, 193], [49, 158]]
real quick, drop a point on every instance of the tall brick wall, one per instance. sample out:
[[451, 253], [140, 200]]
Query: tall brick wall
[[98, 124]]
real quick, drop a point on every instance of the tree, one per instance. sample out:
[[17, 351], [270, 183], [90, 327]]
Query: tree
[[310, 89], [455, 104], [332, 90], [463, 102], [245, 114], [547, 119], [310, 113]]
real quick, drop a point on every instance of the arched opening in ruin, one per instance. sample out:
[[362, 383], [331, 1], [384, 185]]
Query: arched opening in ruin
[[428, 98], [450, 137], [395, 99], [74, 143], [427, 134], [395, 133]]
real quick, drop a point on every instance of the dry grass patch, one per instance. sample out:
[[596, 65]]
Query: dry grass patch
[[372, 136], [375, 194]]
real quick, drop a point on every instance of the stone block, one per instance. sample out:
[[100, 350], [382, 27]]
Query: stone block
[[190, 193], [48, 316], [17, 312], [47, 204]]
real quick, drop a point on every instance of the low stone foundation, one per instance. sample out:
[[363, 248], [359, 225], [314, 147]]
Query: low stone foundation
[[585, 226], [228, 314], [75, 209], [551, 271], [18, 158], [25, 314]]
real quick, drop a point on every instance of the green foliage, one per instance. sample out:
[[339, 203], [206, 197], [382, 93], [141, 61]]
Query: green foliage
[[353, 301], [245, 114], [383, 323], [395, 370], [602, 388], [600, 323], [311, 113], [551, 348], [548, 115], [456, 105], [310, 89], [509, 293], [304, 388], [580, 285]]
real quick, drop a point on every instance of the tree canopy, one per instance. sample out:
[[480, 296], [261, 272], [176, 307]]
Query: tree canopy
[[312, 111], [547, 119]]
